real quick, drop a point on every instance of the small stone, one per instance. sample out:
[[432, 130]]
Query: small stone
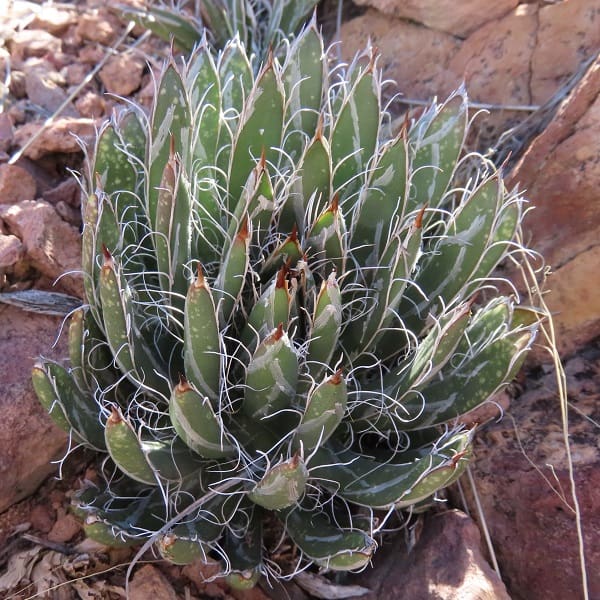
[[53, 246], [149, 582], [53, 19], [75, 73], [11, 251], [16, 184], [91, 105], [60, 136], [68, 191], [65, 529], [98, 26], [33, 42], [122, 74], [68, 213], [91, 55], [6, 132], [43, 91], [42, 518], [17, 85]]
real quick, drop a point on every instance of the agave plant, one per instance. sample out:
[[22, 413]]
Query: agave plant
[[258, 24], [280, 332]]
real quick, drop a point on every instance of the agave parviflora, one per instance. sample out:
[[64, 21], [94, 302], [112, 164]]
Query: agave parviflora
[[280, 330]]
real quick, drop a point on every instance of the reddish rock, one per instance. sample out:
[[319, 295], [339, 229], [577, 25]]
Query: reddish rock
[[122, 74], [67, 191], [66, 527], [495, 60], [42, 86], [457, 18], [415, 57], [91, 55], [560, 172], [28, 439], [53, 246], [149, 582], [60, 136], [33, 42], [11, 251], [91, 105], [568, 33], [523, 484], [6, 132], [98, 26], [42, 518], [53, 19], [17, 84], [446, 562], [16, 184], [75, 73]]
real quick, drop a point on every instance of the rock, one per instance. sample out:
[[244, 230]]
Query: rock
[[523, 484], [66, 527], [11, 251], [17, 85], [75, 73], [99, 26], [91, 105], [6, 132], [43, 90], [495, 60], [457, 18], [202, 575], [53, 246], [28, 439], [53, 19], [446, 562], [149, 582], [122, 74], [567, 34], [59, 136], [91, 55], [42, 518], [16, 184], [560, 172], [415, 57], [67, 191], [33, 42]]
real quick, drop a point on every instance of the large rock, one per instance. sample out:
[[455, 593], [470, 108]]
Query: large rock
[[568, 33], [417, 58], [446, 562], [513, 56], [523, 484], [560, 172], [28, 439], [457, 18]]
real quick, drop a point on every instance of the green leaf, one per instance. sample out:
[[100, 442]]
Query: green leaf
[[260, 131], [354, 135]]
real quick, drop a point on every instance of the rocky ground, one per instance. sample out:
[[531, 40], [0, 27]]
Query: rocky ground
[[63, 67]]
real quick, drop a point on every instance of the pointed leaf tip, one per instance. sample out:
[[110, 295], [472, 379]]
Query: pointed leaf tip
[[419, 218], [336, 378], [278, 334], [115, 417]]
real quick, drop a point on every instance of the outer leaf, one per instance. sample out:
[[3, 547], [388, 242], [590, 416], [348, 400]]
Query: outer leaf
[[328, 545]]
